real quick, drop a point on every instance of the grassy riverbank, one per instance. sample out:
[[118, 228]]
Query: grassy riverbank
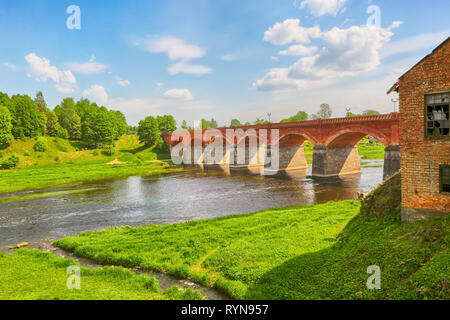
[[48, 176], [65, 162], [34, 275], [312, 252]]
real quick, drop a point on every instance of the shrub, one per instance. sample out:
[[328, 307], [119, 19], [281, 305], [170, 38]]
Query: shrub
[[26, 154], [11, 162], [2, 154], [41, 145], [109, 150]]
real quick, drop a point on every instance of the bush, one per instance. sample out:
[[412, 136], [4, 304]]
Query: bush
[[41, 145], [26, 154], [2, 154], [109, 150], [11, 162]]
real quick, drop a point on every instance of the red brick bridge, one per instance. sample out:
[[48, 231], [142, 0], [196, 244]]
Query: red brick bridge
[[334, 140]]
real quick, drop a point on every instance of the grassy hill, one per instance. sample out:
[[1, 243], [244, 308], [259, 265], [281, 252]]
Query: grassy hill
[[62, 151], [67, 161]]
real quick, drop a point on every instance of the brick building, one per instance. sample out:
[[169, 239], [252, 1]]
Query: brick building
[[424, 93]]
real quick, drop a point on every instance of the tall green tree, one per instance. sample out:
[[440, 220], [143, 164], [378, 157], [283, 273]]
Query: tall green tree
[[166, 123], [5, 100], [214, 123], [235, 123], [6, 136], [26, 118], [69, 119], [184, 125], [206, 124], [99, 130], [300, 116], [119, 122], [148, 131]]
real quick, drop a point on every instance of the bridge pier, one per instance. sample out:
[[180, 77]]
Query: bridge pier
[[335, 161], [392, 160], [292, 157]]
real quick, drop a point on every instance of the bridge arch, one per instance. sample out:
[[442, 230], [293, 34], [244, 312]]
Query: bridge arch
[[351, 135], [295, 139]]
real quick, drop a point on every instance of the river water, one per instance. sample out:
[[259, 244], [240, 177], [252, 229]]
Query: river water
[[185, 196]]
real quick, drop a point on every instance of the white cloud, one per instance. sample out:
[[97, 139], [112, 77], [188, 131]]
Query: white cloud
[[97, 93], [288, 31], [159, 84], [228, 57], [179, 94], [274, 58], [42, 70], [345, 52], [186, 67], [322, 7], [123, 82], [178, 50], [299, 50], [175, 48], [90, 67]]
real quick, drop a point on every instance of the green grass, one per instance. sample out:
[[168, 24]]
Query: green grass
[[66, 162], [43, 195], [47, 176], [371, 151], [312, 252], [34, 275]]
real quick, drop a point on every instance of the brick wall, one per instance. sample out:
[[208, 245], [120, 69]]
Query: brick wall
[[421, 156]]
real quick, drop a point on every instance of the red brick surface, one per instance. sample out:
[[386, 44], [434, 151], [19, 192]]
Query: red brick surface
[[421, 155]]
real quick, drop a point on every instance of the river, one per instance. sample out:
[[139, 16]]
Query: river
[[184, 196]]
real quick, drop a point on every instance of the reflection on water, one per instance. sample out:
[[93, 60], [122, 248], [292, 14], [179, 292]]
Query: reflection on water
[[173, 198]]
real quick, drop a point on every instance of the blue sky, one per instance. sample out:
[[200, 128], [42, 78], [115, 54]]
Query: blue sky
[[215, 58]]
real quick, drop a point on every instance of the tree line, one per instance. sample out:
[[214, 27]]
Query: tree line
[[22, 117], [97, 127]]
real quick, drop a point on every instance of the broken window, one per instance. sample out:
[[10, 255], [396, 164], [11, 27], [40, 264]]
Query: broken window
[[445, 178], [438, 116]]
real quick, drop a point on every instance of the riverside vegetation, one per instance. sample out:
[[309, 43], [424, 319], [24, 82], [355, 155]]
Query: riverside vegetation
[[311, 252], [34, 275]]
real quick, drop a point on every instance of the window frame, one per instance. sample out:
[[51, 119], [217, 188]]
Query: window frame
[[426, 128], [441, 178]]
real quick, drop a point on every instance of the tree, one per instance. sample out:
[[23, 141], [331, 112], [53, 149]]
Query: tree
[[98, 128], [261, 121], [235, 123], [5, 100], [206, 124], [214, 123], [54, 129], [26, 119], [148, 131], [119, 122], [69, 119], [40, 101], [184, 125], [6, 136], [166, 123], [365, 113], [300, 116], [370, 113], [324, 112]]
